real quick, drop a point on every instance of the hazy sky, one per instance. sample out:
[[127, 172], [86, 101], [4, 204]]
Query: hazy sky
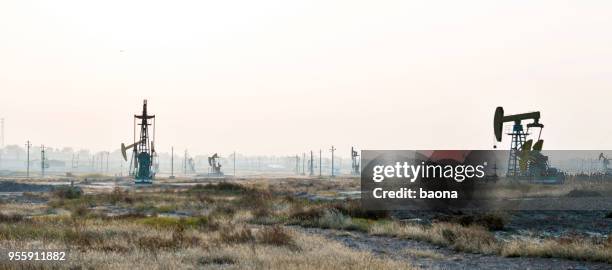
[[280, 77]]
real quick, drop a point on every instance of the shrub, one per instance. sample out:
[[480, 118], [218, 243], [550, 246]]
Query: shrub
[[352, 208], [333, 219], [130, 215], [261, 212], [490, 221], [82, 238], [80, 211], [275, 235], [583, 193], [10, 218], [67, 192], [202, 198], [119, 195], [153, 243], [178, 240], [172, 223], [235, 236], [221, 186], [223, 259], [449, 236], [298, 213], [224, 210]]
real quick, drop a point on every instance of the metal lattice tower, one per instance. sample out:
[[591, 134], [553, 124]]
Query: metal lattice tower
[[144, 151], [518, 138]]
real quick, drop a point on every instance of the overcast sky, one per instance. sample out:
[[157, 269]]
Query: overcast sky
[[282, 77]]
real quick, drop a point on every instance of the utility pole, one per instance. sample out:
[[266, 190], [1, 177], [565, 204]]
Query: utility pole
[[2, 132], [311, 165], [185, 163], [297, 164], [28, 145], [234, 163], [172, 164], [1, 139], [320, 162], [42, 160], [332, 149]]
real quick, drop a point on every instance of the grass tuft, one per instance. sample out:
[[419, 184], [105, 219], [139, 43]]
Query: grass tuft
[[212, 259], [275, 235], [240, 235]]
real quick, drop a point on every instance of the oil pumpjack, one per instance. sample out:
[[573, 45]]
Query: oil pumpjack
[[526, 160], [215, 166], [605, 163], [142, 163]]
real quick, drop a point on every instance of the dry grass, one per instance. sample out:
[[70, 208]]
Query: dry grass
[[314, 253], [479, 240], [428, 254], [276, 236], [112, 244], [468, 239], [491, 221], [231, 235], [574, 249], [217, 230]]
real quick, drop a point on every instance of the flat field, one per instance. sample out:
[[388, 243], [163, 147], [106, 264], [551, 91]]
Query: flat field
[[277, 223]]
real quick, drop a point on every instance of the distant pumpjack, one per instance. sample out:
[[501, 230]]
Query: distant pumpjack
[[311, 165], [215, 166], [605, 163], [188, 164], [356, 162]]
